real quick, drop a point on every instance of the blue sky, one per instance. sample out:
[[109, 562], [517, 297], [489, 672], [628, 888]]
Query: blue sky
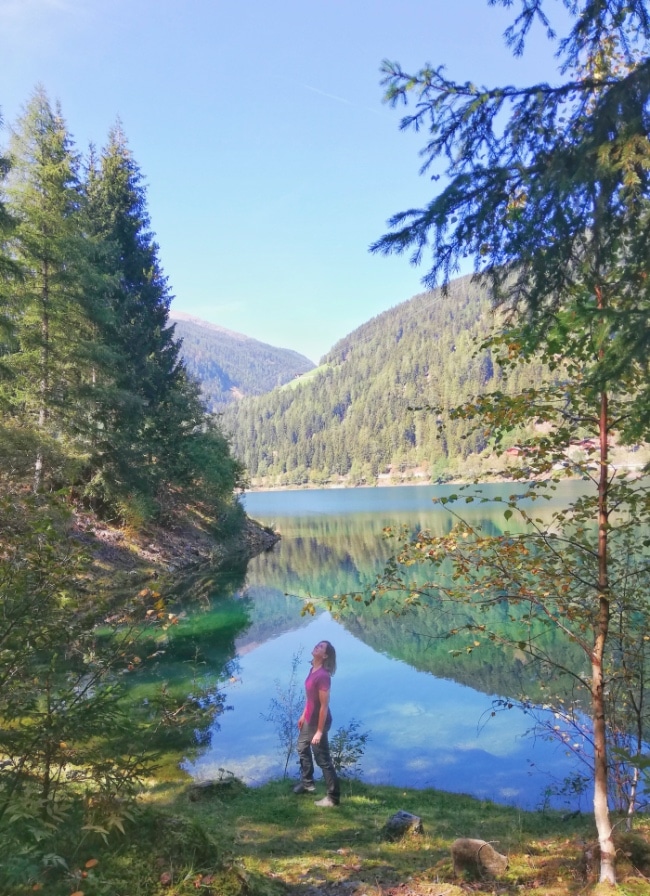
[[270, 159]]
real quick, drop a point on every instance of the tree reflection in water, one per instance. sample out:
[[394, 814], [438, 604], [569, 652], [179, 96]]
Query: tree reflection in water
[[428, 712]]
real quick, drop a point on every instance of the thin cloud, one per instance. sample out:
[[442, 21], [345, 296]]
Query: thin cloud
[[339, 99], [330, 96]]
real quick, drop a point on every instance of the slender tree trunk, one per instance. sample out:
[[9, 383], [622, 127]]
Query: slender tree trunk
[[601, 806], [44, 384], [631, 803]]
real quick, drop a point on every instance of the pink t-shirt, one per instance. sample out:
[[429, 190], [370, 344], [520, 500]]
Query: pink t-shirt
[[318, 680]]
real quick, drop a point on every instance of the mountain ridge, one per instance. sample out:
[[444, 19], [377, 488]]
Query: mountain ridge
[[185, 317], [230, 366]]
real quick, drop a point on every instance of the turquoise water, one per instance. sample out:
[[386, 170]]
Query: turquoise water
[[426, 730]]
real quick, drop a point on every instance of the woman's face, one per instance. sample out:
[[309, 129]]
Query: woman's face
[[320, 650]]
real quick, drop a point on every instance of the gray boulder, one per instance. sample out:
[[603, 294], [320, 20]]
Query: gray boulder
[[402, 823]]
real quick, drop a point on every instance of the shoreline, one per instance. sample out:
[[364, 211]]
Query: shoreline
[[405, 484], [633, 473], [158, 550]]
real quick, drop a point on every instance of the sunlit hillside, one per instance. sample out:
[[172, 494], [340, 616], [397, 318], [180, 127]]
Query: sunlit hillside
[[366, 415]]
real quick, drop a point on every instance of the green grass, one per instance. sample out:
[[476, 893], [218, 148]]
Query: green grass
[[304, 377], [266, 841], [283, 841]]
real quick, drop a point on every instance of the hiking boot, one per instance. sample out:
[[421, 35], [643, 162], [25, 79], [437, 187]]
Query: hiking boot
[[304, 788], [326, 803]]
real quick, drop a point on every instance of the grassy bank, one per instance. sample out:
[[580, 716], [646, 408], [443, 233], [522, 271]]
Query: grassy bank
[[229, 840]]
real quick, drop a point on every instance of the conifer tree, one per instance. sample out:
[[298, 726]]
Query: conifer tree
[[548, 186], [152, 427], [549, 192], [48, 306], [145, 366]]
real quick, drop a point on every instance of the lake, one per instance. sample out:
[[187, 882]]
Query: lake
[[429, 717]]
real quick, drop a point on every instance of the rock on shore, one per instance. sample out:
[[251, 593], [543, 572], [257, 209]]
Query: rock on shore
[[155, 550]]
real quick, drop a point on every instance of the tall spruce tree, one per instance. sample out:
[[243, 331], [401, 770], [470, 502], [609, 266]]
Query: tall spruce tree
[[152, 426], [133, 435], [549, 191], [548, 185], [48, 307]]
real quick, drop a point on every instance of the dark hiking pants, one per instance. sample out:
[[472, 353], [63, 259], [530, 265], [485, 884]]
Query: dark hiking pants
[[320, 753]]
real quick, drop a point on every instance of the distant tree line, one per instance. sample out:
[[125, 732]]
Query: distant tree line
[[94, 396]]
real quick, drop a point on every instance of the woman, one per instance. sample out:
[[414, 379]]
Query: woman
[[314, 723]]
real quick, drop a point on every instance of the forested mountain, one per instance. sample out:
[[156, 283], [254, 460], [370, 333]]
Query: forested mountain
[[365, 414], [230, 366]]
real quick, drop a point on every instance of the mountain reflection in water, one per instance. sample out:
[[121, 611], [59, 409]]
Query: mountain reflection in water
[[394, 673]]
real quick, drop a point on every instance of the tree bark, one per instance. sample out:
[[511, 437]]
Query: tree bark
[[601, 805], [44, 384]]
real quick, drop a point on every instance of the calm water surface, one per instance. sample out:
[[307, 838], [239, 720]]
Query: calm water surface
[[425, 731]]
